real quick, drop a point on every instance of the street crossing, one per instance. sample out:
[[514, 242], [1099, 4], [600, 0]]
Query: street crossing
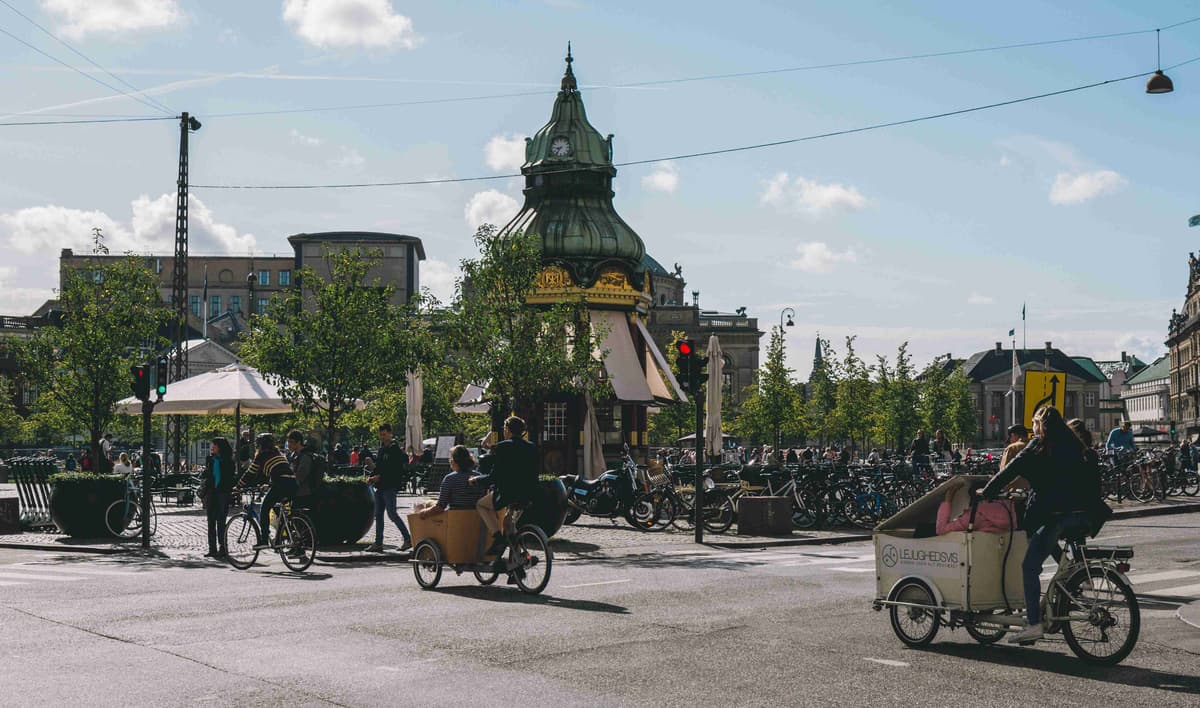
[[49, 572]]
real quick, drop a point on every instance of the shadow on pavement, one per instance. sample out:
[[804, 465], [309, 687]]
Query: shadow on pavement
[[504, 594], [658, 560], [147, 559], [297, 576], [564, 546], [1069, 665]]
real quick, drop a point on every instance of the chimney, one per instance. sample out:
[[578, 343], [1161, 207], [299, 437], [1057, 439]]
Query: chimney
[[1049, 349], [695, 298], [1124, 357], [999, 349]]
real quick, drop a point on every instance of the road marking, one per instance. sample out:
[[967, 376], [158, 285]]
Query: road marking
[[855, 570], [5, 575], [1181, 591], [36, 568], [1164, 575], [886, 662], [589, 585], [4, 584]]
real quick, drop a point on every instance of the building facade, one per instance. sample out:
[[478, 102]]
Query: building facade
[[1147, 395], [1183, 342]]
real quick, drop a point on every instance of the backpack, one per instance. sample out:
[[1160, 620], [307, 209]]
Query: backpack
[[320, 465]]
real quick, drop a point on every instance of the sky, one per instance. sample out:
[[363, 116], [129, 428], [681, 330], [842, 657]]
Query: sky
[[935, 232]]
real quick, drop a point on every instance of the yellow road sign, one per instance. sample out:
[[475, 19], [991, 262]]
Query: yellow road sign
[[1044, 388]]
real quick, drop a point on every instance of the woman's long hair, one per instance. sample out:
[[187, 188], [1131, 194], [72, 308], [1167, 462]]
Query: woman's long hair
[[224, 451], [1057, 437]]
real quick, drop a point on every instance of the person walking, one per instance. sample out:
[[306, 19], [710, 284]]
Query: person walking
[[220, 473], [387, 477]]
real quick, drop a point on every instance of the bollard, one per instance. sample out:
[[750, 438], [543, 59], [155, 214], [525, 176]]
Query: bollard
[[764, 516]]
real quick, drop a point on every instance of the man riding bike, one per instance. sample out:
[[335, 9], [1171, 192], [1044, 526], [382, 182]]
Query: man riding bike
[[269, 462], [512, 470]]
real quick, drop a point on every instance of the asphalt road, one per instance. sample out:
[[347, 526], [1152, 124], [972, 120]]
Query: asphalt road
[[668, 625]]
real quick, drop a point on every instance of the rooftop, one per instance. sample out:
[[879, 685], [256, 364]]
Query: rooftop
[[1159, 370], [358, 237]]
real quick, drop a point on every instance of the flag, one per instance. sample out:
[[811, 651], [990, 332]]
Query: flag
[[1022, 312], [1015, 368], [204, 302], [1194, 221], [1012, 332]]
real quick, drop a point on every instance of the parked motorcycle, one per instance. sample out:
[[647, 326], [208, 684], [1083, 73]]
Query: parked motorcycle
[[616, 493]]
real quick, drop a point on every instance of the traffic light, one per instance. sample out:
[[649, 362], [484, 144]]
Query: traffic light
[[160, 377], [685, 352], [699, 372], [1172, 428], [140, 382]]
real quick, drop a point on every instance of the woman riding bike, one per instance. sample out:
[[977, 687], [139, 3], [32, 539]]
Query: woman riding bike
[[1062, 477], [271, 463]]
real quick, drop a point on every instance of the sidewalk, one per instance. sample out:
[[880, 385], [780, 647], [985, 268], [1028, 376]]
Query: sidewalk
[[182, 533]]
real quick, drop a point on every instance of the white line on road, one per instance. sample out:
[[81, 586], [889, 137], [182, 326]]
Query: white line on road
[[1181, 591], [886, 662], [5, 575], [588, 585], [1164, 575]]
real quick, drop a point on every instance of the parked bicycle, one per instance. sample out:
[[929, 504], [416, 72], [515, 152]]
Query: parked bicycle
[[124, 516]]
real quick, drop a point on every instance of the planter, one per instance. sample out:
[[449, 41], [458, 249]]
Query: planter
[[344, 511], [549, 509], [78, 503]]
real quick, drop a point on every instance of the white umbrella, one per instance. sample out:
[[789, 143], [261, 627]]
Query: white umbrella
[[232, 389], [593, 449], [414, 400], [712, 419]]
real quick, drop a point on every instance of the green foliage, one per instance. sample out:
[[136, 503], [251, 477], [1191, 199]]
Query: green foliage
[[329, 342], [774, 406], [81, 369], [895, 417], [674, 421], [852, 409], [523, 353], [83, 478], [935, 403], [822, 394], [964, 418], [387, 404], [10, 421]]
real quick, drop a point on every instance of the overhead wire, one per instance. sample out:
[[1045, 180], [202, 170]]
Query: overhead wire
[[161, 106], [704, 153], [76, 69], [90, 120]]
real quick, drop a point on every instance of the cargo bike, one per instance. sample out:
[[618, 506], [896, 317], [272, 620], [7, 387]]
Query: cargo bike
[[457, 540], [973, 580]]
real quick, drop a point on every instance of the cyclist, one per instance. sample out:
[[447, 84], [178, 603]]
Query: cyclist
[[1120, 440], [269, 462], [513, 473], [1057, 467]]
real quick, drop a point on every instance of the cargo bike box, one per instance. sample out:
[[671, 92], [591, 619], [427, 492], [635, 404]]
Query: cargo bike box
[[459, 540]]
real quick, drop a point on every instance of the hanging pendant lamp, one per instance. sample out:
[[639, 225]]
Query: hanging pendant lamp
[[1159, 82]]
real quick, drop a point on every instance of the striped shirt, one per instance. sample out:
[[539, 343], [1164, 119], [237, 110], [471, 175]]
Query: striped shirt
[[458, 493]]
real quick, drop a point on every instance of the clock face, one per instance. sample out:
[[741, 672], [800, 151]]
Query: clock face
[[560, 147]]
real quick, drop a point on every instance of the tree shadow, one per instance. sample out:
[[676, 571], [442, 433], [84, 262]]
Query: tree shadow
[[514, 596], [561, 545], [651, 560], [297, 576], [1062, 664]]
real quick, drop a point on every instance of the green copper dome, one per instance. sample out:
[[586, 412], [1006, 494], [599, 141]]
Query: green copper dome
[[568, 194]]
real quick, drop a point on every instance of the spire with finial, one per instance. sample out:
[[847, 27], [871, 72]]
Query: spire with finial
[[568, 81]]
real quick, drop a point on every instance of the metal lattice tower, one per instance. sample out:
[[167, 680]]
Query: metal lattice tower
[[179, 294]]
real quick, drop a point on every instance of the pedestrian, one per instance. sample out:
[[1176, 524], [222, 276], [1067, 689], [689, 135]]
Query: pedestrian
[[919, 449], [387, 477], [354, 456], [305, 467], [1185, 455], [85, 460], [215, 486], [941, 444], [105, 453], [245, 451], [427, 456], [123, 466], [514, 478], [71, 465]]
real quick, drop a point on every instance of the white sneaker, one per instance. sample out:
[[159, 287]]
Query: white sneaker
[[1029, 635]]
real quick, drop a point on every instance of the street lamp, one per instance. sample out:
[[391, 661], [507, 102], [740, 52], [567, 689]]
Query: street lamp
[[791, 314], [250, 278], [1159, 82]]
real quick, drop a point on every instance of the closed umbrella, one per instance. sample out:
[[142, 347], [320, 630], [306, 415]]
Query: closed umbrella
[[593, 449], [414, 400], [712, 419]]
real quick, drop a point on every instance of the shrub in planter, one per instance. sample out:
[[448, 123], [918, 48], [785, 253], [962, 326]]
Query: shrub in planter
[[344, 511], [79, 500], [550, 508]]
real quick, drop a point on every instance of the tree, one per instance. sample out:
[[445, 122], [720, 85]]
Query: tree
[[10, 420], [822, 393], [935, 401], [964, 418], [327, 342], [895, 417], [774, 408], [81, 368], [852, 410], [674, 421], [522, 353], [442, 387]]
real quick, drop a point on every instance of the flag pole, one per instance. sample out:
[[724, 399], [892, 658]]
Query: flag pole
[[1013, 384], [1024, 335]]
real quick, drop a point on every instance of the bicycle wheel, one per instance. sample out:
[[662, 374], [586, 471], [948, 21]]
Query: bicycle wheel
[[241, 535], [153, 519], [123, 519], [533, 551], [984, 635], [486, 577], [1190, 483], [1140, 488], [428, 564], [1110, 618], [300, 547], [685, 517], [718, 513], [915, 626], [652, 511]]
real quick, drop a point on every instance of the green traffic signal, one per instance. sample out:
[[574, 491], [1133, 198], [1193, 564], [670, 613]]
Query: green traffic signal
[[161, 377]]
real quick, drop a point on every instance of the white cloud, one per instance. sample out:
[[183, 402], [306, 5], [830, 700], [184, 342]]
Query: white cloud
[[664, 178], [303, 139], [1071, 188], [1146, 348], [504, 153], [818, 257], [1005, 161], [811, 197], [439, 278], [349, 158], [977, 299], [350, 23], [491, 207], [79, 18], [151, 228]]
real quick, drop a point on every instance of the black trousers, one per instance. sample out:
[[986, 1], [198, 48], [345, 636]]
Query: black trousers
[[217, 508]]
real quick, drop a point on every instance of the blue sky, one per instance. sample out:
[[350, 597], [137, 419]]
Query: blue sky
[[933, 233]]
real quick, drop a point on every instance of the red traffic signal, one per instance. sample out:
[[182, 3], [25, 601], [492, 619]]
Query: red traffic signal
[[684, 347], [140, 382]]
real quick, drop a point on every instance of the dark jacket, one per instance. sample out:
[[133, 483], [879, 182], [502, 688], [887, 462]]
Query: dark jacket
[[229, 475], [920, 446], [1063, 479], [389, 465], [512, 470], [303, 468]]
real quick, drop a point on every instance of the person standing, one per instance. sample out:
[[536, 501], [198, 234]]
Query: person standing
[[245, 451], [387, 477], [216, 484], [106, 461], [514, 478], [304, 466], [85, 460], [941, 444], [71, 465]]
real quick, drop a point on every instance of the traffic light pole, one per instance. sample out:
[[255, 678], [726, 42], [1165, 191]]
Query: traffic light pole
[[147, 409], [699, 497]]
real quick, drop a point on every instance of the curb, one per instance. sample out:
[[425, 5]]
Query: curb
[[365, 559], [1137, 513], [832, 541], [1191, 610]]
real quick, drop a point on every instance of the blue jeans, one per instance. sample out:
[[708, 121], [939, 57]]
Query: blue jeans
[[385, 500], [1043, 543]]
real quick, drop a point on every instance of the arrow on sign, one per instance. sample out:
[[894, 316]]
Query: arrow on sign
[[1049, 400]]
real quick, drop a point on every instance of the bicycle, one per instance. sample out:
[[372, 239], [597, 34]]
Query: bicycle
[[295, 540], [530, 558], [124, 516]]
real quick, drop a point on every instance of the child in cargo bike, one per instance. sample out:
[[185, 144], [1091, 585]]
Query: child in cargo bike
[[457, 492], [990, 516]]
